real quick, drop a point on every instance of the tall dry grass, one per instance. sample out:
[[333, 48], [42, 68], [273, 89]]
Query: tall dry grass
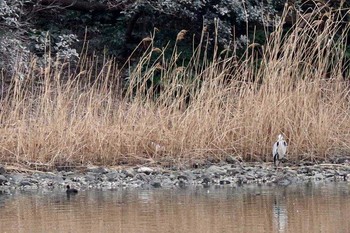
[[215, 106]]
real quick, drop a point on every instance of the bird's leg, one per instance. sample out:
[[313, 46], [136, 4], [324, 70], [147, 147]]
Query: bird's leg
[[275, 159]]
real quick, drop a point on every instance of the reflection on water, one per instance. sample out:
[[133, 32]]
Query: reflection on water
[[302, 208], [279, 210]]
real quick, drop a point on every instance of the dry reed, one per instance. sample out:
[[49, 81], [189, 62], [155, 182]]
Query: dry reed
[[210, 108]]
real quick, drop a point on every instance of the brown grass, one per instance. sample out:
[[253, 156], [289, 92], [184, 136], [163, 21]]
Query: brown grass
[[212, 107]]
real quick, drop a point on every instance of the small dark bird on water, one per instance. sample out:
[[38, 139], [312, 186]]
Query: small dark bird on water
[[71, 190]]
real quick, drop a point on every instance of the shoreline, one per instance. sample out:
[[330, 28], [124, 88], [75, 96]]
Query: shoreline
[[224, 174]]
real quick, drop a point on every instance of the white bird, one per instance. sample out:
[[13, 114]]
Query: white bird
[[279, 149]]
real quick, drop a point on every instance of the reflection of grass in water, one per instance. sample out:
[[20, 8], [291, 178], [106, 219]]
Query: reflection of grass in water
[[212, 108]]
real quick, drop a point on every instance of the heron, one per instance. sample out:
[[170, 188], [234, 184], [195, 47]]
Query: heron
[[279, 149]]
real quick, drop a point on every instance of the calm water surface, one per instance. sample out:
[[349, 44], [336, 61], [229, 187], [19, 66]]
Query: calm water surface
[[302, 208]]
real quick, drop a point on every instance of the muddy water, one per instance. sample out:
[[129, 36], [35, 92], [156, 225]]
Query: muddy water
[[301, 208]]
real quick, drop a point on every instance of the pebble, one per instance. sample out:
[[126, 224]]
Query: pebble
[[182, 177], [25, 183], [146, 170], [156, 184], [3, 180], [222, 182], [284, 180], [98, 170], [2, 170], [231, 160], [130, 172], [216, 170], [206, 180]]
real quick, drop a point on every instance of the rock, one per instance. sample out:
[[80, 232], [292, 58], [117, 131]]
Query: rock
[[189, 174], [25, 183], [143, 177], [341, 173], [156, 184], [3, 180], [89, 178], [283, 180], [16, 178], [2, 170], [304, 170], [101, 177], [182, 184], [339, 160], [248, 169], [129, 172], [97, 170], [48, 184], [172, 176], [260, 174], [113, 176], [222, 182], [76, 179], [216, 170], [68, 173], [33, 181], [146, 170], [328, 175], [250, 176], [182, 177], [213, 160], [45, 176], [234, 171], [167, 183], [231, 160], [241, 179], [318, 176], [307, 163], [206, 180]]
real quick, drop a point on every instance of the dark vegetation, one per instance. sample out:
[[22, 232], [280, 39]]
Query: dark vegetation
[[115, 27]]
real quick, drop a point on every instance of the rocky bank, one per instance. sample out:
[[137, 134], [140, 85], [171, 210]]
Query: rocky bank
[[236, 174]]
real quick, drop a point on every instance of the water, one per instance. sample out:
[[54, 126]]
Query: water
[[302, 208]]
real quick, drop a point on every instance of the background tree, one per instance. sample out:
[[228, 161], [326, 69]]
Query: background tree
[[33, 27]]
